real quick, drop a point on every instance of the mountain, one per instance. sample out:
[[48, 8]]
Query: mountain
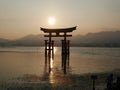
[[29, 40], [3, 41], [101, 39], [98, 39]]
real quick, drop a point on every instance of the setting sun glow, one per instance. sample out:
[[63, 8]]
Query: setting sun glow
[[51, 20]]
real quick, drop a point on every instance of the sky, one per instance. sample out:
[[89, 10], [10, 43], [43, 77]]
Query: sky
[[19, 18]]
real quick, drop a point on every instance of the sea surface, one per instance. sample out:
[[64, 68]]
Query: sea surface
[[18, 61]]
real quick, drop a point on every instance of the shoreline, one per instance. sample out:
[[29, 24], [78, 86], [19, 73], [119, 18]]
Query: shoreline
[[65, 82]]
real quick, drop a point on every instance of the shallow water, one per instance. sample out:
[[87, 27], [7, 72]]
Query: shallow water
[[18, 61]]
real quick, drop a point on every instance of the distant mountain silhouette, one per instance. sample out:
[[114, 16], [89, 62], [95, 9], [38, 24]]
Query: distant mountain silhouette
[[29, 40], [98, 39], [4, 41], [101, 39]]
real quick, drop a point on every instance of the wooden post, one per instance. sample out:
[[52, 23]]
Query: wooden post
[[68, 56], [62, 48], [52, 49], [65, 63], [62, 53], [68, 45], [46, 56], [46, 47], [65, 48], [62, 62], [50, 45], [49, 51], [93, 77], [64, 59]]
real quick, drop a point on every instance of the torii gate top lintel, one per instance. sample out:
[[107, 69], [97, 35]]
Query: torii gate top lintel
[[58, 30]]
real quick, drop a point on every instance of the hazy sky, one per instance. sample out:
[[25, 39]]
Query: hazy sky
[[22, 17]]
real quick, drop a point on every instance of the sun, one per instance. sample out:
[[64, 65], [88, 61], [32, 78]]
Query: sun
[[51, 20]]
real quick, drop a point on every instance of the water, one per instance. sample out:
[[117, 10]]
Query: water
[[18, 61]]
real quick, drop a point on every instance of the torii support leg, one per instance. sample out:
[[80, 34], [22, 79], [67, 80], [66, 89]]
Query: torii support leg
[[68, 47], [65, 47], [65, 54], [68, 51], [49, 52], [46, 44], [52, 49], [46, 53]]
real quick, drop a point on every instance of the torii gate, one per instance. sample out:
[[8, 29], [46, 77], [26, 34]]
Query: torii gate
[[58, 32]]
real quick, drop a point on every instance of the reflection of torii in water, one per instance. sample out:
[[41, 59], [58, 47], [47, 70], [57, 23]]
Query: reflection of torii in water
[[49, 45]]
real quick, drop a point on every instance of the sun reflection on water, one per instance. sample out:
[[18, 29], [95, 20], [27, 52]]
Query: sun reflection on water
[[56, 76], [51, 63], [55, 49], [51, 77]]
